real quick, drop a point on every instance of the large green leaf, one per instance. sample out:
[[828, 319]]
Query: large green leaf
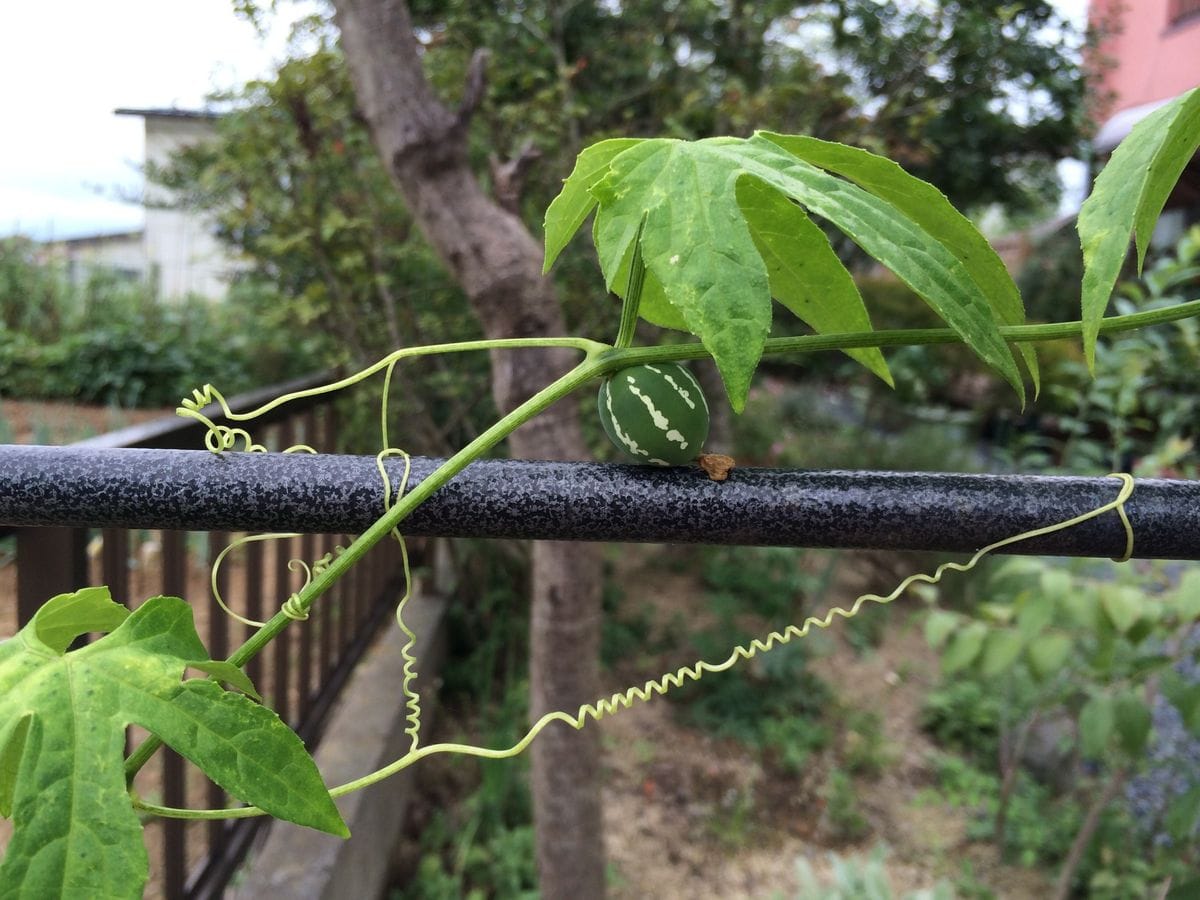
[[1096, 722], [574, 203], [929, 208], [1127, 198], [1132, 718], [62, 738], [697, 244], [805, 274]]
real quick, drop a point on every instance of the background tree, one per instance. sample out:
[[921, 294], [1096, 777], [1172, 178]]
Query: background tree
[[293, 182]]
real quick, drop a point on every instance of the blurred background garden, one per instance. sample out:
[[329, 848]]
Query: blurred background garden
[[1029, 730]]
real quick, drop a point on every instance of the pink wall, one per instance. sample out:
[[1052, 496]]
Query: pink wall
[[1155, 60]]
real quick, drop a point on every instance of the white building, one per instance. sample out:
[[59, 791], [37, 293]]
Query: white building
[[177, 251]]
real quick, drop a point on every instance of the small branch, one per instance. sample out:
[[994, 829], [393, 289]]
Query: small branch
[[1083, 838], [1010, 768], [475, 88], [508, 176]]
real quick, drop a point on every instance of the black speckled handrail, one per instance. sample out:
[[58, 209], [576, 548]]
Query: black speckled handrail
[[200, 491]]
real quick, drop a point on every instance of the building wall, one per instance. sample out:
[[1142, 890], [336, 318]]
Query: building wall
[[121, 255], [182, 253], [1151, 55], [1156, 48]]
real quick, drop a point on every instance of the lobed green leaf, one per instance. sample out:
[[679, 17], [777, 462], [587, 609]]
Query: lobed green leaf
[[63, 738], [574, 203], [929, 208], [694, 243], [704, 259], [62, 619], [804, 273]]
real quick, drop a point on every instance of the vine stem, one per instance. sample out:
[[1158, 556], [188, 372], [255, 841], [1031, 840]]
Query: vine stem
[[600, 359], [594, 363], [907, 337]]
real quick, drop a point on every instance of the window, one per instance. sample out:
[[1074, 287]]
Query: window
[[1178, 10]]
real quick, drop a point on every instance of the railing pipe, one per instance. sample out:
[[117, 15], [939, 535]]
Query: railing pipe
[[197, 490]]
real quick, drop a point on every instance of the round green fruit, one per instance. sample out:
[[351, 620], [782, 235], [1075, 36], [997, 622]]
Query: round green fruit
[[655, 413]]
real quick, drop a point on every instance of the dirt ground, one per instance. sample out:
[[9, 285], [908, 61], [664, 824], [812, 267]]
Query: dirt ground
[[689, 816], [44, 422]]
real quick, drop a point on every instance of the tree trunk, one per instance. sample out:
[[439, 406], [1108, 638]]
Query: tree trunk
[[498, 263]]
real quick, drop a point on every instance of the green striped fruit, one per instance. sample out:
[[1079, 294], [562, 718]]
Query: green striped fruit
[[655, 413]]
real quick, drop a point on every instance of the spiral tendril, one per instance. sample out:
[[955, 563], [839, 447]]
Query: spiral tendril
[[220, 438], [657, 687]]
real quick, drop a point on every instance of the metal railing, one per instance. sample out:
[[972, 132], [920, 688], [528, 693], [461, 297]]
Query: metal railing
[[299, 675], [125, 483], [598, 502]]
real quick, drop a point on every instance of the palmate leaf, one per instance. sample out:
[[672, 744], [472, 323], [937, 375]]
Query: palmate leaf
[[929, 208], [724, 230], [575, 203], [62, 736], [1127, 198]]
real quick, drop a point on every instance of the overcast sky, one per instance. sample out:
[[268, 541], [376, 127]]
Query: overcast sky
[[66, 65]]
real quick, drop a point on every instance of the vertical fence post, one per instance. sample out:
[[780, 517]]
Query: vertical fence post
[[51, 561]]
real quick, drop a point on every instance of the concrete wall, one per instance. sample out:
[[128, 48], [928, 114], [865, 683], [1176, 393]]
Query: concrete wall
[[182, 254], [364, 733]]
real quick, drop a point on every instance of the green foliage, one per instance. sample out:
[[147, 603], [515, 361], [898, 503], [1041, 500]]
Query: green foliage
[[58, 707], [942, 81], [1088, 647], [965, 715], [293, 184], [859, 878], [1062, 646], [1039, 827], [629, 630], [112, 342], [864, 750], [775, 704], [696, 227], [483, 846], [1140, 406], [34, 300], [843, 815]]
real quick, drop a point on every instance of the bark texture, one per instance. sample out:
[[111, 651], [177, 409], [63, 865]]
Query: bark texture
[[498, 263]]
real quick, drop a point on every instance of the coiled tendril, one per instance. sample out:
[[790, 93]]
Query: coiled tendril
[[221, 438]]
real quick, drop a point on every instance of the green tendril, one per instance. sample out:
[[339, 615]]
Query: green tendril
[[657, 687]]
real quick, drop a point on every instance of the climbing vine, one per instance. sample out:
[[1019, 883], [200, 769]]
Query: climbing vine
[[701, 237]]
